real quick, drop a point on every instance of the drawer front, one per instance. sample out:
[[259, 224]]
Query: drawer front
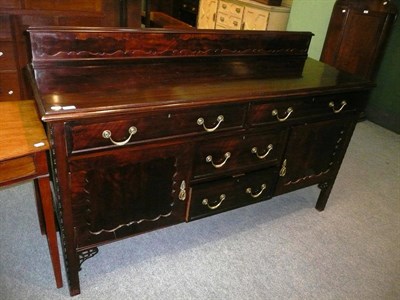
[[230, 9], [228, 22], [218, 196], [9, 87], [67, 5], [10, 4], [285, 111], [143, 127], [16, 169], [5, 28], [238, 153], [7, 58]]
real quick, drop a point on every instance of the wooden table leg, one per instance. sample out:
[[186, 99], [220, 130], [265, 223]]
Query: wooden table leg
[[49, 220], [39, 208]]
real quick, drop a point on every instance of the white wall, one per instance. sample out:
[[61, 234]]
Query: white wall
[[314, 16]]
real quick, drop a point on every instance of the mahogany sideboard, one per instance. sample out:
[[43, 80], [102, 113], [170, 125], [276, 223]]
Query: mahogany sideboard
[[150, 128]]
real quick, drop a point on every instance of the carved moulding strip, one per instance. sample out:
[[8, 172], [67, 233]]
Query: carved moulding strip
[[129, 224], [175, 52], [51, 44], [290, 182]]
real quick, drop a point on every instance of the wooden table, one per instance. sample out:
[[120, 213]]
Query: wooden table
[[23, 157]]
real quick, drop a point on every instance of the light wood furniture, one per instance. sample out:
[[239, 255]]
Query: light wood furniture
[[23, 157], [241, 15], [150, 128]]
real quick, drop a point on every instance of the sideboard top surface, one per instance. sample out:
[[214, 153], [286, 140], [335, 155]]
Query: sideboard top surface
[[70, 83]]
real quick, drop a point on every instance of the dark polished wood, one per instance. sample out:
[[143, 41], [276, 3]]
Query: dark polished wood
[[149, 128], [17, 15], [357, 35], [23, 156]]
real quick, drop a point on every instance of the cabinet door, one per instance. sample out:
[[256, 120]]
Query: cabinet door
[[357, 34], [255, 19], [207, 14], [354, 58], [128, 191], [313, 154]]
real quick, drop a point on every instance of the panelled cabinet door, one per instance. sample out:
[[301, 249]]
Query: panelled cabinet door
[[357, 34], [255, 19], [207, 14], [355, 59], [313, 153], [127, 192]]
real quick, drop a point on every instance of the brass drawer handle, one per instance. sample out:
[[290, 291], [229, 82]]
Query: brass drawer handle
[[222, 197], [288, 112], [209, 159], [336, 111], [249, 191], [182, 191], [254, 150], [282, 172], [107, 135], [220, 119]]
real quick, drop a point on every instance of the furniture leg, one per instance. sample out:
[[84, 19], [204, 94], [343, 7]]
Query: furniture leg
[[49, 220], [72, 269], [39, 208], [326, 188]]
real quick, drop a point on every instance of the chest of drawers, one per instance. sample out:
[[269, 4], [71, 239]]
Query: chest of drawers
[[152, 128], [241, 15]]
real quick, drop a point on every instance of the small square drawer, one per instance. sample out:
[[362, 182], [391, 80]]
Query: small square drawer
[[238, 153], [231, 9], [218, 196], [146, 126], [7, 58], [10, 4], [285, 111], [229, 22]]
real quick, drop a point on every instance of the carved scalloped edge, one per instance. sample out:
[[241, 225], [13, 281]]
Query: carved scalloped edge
[[168, 52], [129, 224], [307, 177]]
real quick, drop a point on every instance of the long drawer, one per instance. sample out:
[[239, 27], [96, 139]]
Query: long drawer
[[7, 57], [137, 128], [226, 194], [286, 111]]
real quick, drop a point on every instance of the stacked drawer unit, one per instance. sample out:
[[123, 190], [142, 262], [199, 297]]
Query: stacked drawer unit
[[229, 15], [17, 15], [234, 170]]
